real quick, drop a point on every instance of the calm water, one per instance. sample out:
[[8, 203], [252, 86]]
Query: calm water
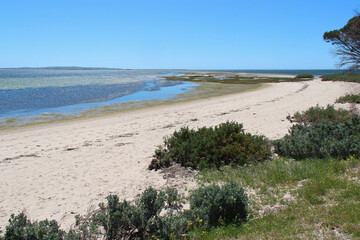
[[26, 94]]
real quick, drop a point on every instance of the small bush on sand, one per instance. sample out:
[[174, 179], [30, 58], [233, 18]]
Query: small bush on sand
[[20, 227], [321, 140], [349, 98], [319, 114], [116, 219], [226, 144], [213, 203]]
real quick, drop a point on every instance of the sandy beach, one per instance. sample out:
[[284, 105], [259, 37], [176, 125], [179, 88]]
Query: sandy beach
[[58, 170]]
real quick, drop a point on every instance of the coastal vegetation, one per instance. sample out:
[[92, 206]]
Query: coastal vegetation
[[309, 191], [320, 114], [225, 144], [231, 79], [153, 215], [322, 132], [288, 199], [349, 98], [345, 77], [304, 75], [321, 140]]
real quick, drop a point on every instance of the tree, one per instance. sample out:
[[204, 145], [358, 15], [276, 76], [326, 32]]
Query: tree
[[347, 43]]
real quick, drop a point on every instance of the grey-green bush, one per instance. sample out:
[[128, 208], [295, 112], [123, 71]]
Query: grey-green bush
[[225, 144], [321, 140], [213, 203], [319, 114], [141, 219], [22, 228]]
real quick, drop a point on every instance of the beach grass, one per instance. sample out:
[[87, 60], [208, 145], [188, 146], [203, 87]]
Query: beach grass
[[289, 199]]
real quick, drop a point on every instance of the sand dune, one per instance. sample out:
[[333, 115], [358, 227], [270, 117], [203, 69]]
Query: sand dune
[[58, 170]]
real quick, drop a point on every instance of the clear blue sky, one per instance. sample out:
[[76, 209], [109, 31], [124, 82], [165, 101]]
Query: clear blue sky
[[192, 34]]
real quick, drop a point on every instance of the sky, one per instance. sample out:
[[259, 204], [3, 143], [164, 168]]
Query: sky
[[171, 34]]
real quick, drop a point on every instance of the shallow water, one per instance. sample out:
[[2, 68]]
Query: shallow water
[[29, 93]]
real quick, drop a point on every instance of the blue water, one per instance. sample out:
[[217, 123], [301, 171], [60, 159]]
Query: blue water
[[28, 93]]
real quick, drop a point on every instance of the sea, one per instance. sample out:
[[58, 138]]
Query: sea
[[30, 94]]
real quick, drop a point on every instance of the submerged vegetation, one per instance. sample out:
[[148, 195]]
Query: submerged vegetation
[[231, 79], [304, 75]]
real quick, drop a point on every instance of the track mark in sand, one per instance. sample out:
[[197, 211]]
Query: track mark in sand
[[67, 148], [305, 86], [223, 113], [21, 156], [122, 144], [122, 135], [169, 126]]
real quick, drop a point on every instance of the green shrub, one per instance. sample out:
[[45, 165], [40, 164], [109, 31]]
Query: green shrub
[[349, 98], [304, 75], [226, 144], [214, 203], [354, 77], [22, 228], [142, 220], [320, 114], [173, 199], [321, 140], [123, 220]]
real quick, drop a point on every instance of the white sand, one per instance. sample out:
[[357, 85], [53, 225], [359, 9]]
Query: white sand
[[58, 170]]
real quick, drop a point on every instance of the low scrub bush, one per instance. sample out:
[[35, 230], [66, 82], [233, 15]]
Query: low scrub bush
[[349, 98], [321, 140], [214, 203], [116, 219], [304, 75], [226, 144], [354, 77], [319, 114], [20, 227]]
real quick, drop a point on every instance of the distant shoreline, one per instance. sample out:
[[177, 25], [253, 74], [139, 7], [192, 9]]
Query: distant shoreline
[[317, 72], [63, 68]]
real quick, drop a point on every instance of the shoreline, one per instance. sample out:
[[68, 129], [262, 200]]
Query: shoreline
[[200, 91], [58, 170]]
